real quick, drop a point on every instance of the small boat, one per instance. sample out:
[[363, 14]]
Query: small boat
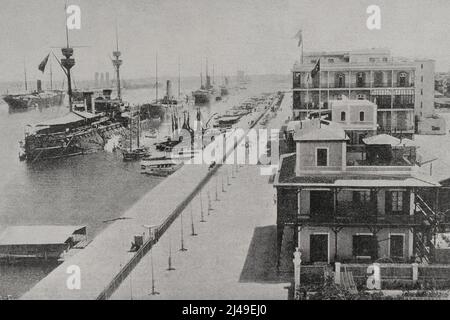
[[161, 168], [135, 154], [139, 152]]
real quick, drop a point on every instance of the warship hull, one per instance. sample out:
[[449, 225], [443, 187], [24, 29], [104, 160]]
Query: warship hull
[[38, 100]]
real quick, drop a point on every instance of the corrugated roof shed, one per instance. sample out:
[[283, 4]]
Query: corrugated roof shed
[[37, 235]]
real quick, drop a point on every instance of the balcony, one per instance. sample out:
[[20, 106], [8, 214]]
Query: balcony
[[347, 214], [406, 84]]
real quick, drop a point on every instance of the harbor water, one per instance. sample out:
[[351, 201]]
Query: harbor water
[[82, 190]]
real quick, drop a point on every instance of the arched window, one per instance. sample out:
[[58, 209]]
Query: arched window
[[402, 79], [360, 79], [342, 116], [340, 80], [361, 116]]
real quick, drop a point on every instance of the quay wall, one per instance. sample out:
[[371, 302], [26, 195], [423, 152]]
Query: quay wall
[[106, 262]]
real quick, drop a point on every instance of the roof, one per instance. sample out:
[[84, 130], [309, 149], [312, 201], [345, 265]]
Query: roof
[[68, 118], [351, 102], [322, 132], [287, 176], [29, 235], [382, 139]]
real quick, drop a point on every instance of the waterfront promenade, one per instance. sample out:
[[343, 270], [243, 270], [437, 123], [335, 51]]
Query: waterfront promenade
[[105, 258], [233, 255]]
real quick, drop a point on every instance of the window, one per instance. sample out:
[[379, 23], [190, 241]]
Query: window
[[361, 197], [340, 80], [421, 92], [378, 79], [421, 79], [372, 59], [361, 96], [361, 116], [313, 61], [396, 245], [342, 116], [365, 246], [385, 59], [330, 60], [322, 157], [421, 66], [360, 79], [397, 201], [402, 79]]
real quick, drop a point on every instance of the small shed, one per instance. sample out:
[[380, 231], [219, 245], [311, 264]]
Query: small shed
[[39, 242]]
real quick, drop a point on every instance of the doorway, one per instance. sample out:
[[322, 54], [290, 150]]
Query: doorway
[[318, 247]]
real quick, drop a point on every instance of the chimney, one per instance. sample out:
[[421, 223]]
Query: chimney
[[169, 89], [107, 94], [87, 97]]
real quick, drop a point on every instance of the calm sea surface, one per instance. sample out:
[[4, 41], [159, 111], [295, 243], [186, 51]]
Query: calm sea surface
[[81, 190]]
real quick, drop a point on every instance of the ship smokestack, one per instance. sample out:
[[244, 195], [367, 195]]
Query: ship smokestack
[[87, 95], [107, 94], [169, 89], [39, 86]]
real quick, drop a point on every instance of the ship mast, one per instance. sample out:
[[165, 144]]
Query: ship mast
[[156, 77], [25, 74], [67, 64], [179, 79], [51, 74], [117, 63]]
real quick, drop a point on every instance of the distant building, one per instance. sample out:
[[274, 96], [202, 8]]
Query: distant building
[[97, 83], [402, 89], [102, 79], [334, 208]]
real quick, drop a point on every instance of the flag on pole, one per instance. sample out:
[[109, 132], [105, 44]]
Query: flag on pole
[[43, 63], [299, 36], [316, 69]]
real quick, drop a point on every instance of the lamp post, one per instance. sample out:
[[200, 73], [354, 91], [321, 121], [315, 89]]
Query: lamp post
[[151, 237], [192, 221]]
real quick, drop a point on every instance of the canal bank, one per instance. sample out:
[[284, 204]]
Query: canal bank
[[108, 256], [233, 252]]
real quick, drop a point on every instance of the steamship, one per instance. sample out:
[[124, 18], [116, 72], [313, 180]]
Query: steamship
[[79, 131], [158, 107], [206, 93], [36, 99]]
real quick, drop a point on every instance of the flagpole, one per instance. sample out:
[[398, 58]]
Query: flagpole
[[302, 52]]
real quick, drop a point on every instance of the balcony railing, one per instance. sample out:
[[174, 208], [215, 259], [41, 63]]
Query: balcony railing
[[351, 85], [359, 218]]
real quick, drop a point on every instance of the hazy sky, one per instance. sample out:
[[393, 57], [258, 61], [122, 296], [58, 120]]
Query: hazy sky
[[253, 35]]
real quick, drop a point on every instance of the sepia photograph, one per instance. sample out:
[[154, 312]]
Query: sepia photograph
[[210, 151]]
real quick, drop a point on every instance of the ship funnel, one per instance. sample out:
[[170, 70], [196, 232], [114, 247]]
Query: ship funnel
[[87, 97], [107, 94], [39, 86], [208, 82], [169, 89]]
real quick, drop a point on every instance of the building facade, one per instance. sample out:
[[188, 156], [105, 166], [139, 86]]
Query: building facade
[[402, 89], [334, 209]]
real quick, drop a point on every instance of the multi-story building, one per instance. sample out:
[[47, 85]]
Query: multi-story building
[[336, 209], [402, 89]]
